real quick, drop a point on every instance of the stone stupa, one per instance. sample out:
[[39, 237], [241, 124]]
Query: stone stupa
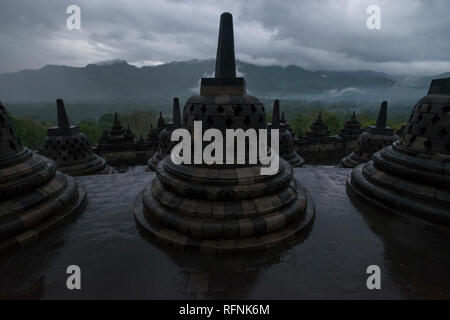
[[164, 132], [117, 139], [223, 208], [411, 178], [70, 149], [352, 129], [118, 136], [374, 139], [318, 130], [286, 143], [120, 147], [34, 197], [161, 124]]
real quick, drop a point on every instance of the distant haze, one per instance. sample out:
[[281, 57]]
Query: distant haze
[[316, 35]]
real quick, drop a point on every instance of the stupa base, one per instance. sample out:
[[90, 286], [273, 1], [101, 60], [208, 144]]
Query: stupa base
[[154, 161], [305, 213], [96, 166], [397, 196], [296, 161], [35, 222], [350, 161]]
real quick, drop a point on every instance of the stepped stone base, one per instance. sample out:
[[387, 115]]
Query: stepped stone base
[[183, 242], [295, 160], [34, 214], [223, 209], [395, 193], [95, 165], [34, 197], [411, 177], [154, 161], [350, 161]]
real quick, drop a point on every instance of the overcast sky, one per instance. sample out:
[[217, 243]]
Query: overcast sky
[[317, 35]]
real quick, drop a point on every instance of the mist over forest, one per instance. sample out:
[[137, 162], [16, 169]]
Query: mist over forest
[[119, 82], [93, 93]]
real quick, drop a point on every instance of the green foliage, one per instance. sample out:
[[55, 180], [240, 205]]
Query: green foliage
[[139, 122], [336, 121], [30, 133], [92, 130], [300, 124], [32, 120], [106, 118], [300, 114]]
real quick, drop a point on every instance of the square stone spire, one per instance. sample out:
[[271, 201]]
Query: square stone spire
[[380, 127], [63, 128], [225, 81]]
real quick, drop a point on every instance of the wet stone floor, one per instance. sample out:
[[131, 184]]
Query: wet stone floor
[[117, 261]]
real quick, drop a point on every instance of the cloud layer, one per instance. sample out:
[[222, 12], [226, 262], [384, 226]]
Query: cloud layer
[[317, 35]]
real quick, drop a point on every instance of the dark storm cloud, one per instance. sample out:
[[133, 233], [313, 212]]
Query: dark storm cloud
[[318, 35]]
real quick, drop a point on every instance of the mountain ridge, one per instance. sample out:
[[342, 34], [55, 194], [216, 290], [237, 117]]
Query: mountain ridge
[[118, 80]]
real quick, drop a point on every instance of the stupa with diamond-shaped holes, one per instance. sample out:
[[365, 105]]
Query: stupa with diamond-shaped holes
[[374, 139], [223, 208], [411, 178], [70, 149]]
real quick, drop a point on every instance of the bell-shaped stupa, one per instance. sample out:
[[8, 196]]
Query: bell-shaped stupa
[[164, 132], [70, 149], [223, 208], [34, 197], [374, 139], [411, 177], [286, 143]]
